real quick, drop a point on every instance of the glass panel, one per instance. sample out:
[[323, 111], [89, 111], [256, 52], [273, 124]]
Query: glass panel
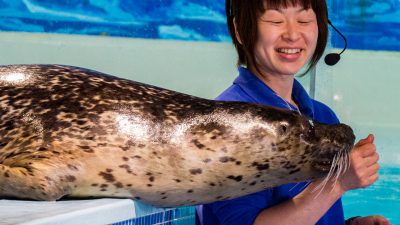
[[362, 89], [200, 20], [368, 24], [143, 56], [178, 216]]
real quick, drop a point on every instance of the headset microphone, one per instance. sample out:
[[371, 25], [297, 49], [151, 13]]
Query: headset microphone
[[333, 58]]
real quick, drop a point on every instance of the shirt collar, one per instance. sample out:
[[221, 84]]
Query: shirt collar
[[263, 94]]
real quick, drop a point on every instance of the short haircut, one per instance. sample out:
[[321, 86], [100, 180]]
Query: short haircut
[[246, 14]]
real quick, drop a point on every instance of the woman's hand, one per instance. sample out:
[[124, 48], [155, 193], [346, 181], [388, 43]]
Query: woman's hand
[[362, 173], [364, 166], [370, 220]]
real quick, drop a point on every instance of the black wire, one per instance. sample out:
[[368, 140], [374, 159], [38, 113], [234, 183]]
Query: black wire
[[340, 33]]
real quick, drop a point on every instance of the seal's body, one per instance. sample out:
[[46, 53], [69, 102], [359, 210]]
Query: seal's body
[[72, 132]]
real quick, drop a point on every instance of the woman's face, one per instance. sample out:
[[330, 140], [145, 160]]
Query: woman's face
[[287, 38]]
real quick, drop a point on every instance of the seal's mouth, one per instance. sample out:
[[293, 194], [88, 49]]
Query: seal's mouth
[[322, 165], [332, 160]]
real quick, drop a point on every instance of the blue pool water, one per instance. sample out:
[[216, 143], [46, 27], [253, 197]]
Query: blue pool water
[[382, 198]]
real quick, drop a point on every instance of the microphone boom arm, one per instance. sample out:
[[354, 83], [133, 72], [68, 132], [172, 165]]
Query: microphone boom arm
[[340, 33]]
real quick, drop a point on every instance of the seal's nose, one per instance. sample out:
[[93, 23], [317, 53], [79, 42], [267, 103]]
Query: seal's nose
[[334, 139], [339, 133], [346, 133]]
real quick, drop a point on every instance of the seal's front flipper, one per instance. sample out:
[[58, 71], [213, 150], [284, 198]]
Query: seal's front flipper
[[28, 183]]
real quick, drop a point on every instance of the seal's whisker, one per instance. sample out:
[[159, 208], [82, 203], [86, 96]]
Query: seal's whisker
[[291, 189], [333, 186], [348, 161], [305, 185], [331, 170], [333, 166], [338, 171], [321, 188], [343, 162], [336, 166], [330, 175], [320, 185], [346, 157]]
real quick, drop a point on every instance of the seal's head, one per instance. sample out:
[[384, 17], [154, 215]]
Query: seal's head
[[306, 149], [329, 143]]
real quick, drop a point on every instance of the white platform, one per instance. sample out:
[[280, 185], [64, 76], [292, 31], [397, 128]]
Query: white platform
[[91, 212]]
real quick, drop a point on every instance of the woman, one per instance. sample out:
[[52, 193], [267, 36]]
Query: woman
[[274, 40]]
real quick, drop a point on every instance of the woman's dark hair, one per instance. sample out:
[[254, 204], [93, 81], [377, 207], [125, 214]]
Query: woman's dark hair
[[245, 15]]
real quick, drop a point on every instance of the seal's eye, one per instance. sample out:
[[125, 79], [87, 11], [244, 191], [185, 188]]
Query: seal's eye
[[283, 128]]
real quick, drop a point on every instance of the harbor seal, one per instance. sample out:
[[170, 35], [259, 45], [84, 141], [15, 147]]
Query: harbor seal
[[72, 132]]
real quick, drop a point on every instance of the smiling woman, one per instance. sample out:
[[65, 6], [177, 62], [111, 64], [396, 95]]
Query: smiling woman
[[290, 32], [245, 26]]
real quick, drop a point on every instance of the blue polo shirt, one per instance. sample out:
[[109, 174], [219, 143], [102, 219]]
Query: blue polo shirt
[[244, 210]]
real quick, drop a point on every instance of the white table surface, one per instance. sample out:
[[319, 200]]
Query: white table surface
[[98, 211]]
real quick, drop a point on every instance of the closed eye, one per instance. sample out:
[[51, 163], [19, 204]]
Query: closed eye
[[305, 21], [275, 22]]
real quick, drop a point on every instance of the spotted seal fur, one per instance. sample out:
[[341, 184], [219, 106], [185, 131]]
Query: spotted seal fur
[[73, 132]]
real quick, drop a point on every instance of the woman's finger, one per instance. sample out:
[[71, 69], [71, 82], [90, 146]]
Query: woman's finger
[[372, 160], [367, 150], [369, 139], [372, 170], [372, 179]]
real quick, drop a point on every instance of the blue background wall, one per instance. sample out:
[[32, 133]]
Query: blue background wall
[[368, 24]]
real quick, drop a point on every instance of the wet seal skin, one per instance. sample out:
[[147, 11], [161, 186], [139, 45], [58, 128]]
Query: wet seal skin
[[72, 132]]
